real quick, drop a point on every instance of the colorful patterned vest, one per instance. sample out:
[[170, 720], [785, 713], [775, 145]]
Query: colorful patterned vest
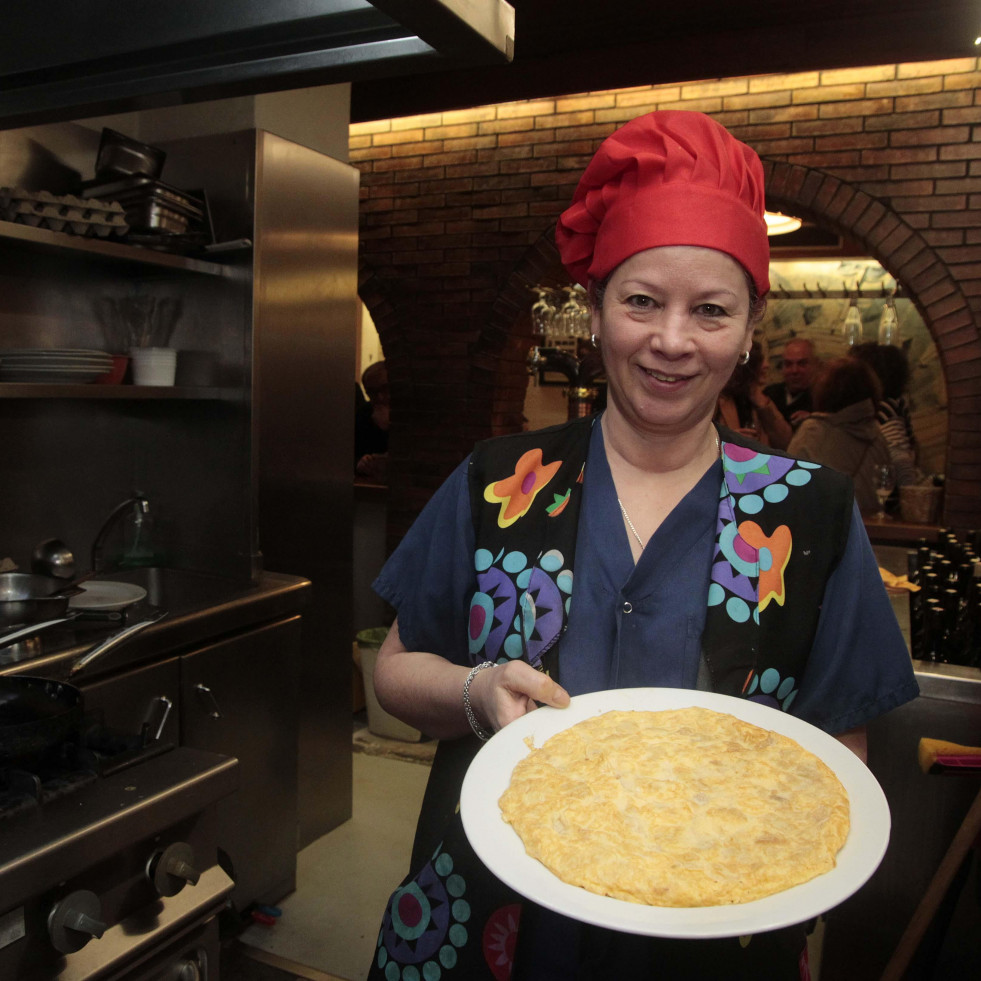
[[782, 528]]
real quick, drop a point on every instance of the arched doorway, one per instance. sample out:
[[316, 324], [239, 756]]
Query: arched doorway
[[901, 250]]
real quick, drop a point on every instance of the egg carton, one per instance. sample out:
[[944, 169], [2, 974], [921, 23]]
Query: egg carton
[[63, 213]]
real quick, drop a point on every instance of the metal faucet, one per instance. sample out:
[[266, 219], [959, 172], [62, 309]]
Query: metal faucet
[[137, 501]]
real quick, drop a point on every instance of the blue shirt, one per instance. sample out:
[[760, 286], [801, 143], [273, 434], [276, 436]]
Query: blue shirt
[[641, 625]]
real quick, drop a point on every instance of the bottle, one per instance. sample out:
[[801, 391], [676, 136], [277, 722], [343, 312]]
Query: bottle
[[932, 648], [932, 585], [889, 324], [138, 547], [915, 603], [851, 327], [950, 601]]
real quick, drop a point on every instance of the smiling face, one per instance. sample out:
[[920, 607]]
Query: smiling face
[[672, 323]]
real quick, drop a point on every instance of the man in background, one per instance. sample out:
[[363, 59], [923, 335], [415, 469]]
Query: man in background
[[792, 396], [371, 426]]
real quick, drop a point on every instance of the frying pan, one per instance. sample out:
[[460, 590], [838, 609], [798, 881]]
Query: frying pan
[[29, 598], [35, 715]]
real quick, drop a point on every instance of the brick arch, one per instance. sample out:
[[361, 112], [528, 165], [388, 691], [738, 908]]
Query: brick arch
[[929, 284], [887, 237]]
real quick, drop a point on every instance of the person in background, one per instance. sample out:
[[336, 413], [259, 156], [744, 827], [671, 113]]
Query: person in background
[[842, 432], [793, 395], [642, 547], [745, 408], [892, 411], [371, 425]]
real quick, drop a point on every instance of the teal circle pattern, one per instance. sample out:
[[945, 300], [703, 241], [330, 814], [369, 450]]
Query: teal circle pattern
[[797, 478], [775, 493], [552, 560], [482, 559], [738, 609], [514, 562]]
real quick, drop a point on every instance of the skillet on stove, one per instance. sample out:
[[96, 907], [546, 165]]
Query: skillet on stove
[[35, 715]]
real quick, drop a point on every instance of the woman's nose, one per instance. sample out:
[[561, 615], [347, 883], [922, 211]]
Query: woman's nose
[[672, 334]]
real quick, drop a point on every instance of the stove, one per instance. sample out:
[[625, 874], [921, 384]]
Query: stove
[[109, 858]]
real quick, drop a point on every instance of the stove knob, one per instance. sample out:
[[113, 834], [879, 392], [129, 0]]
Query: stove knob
[[75, 920], [171, 869]]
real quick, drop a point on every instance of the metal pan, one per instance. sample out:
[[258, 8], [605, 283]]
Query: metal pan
[[36, 714], [28, 598]]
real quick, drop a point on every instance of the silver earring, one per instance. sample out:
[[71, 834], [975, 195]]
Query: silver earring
[[744, 357], [594, 340]]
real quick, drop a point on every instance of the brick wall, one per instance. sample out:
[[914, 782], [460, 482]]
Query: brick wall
[[458, 209]]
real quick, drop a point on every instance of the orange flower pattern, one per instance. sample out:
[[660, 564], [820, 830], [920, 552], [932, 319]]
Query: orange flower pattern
[[773, 554], [516, 493]]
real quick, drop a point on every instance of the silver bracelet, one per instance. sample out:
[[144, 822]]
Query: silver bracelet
[[478, 729]]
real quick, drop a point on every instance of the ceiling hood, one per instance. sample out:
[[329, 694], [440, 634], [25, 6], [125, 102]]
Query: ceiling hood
[[61, 59]]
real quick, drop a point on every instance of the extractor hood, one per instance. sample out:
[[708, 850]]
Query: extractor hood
[[61, 59]]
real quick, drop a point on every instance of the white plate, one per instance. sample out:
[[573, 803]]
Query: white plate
[[106, 595], [500, 849]]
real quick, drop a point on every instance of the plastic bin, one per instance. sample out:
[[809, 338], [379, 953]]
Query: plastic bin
[[379, 721]]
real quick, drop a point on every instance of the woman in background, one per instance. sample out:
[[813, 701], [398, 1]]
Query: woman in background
[[842, 432], [746, 409], [892, 412]]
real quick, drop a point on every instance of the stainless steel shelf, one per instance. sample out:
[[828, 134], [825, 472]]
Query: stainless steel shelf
[[46, 390], [105, 250]]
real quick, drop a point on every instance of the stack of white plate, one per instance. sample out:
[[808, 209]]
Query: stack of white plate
[[66, 365]]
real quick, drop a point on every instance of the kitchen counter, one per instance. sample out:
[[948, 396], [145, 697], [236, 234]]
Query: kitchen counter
[[199, 607]]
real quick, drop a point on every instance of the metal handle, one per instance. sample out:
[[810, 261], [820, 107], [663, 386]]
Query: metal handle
[[110, 642], [165, 705], [214, 712]]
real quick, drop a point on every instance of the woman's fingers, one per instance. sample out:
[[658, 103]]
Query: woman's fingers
[[509, 691]]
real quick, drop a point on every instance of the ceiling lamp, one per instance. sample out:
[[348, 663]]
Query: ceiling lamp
[[778, 224]]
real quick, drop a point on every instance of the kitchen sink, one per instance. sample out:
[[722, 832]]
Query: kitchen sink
[[179, 591]]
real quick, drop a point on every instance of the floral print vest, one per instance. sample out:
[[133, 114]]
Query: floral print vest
[[781, 529]]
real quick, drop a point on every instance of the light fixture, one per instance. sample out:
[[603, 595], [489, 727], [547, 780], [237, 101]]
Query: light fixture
[[778, 224]]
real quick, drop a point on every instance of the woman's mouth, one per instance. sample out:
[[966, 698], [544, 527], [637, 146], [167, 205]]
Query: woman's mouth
[[664, 377]]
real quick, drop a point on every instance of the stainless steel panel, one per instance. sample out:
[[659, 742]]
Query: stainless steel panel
[[238, 697], [305, 317]]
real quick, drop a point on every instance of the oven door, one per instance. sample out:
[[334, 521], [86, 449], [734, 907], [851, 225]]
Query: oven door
[[191, 955]]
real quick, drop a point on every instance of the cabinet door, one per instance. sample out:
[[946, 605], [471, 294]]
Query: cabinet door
[[146, 696], [239, 698]]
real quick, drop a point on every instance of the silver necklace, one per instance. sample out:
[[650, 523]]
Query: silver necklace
[[626, 517]]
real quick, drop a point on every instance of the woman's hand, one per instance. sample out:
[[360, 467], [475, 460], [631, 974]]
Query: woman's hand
[[425, 690], [501, 694]]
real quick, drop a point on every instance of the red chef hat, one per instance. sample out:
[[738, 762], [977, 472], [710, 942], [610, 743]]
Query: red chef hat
[[666, 178]]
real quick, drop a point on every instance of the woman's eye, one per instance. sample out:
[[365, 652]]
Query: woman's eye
[[713, 310], [640, 301]]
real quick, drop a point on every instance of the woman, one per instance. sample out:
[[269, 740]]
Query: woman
[[626, 571], [745, 408], [842, 431], [892, 412]]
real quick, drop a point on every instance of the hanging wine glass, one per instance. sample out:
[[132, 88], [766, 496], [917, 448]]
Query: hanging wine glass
[[851, 327], [885, 483], [889, 324], [542, 313]]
